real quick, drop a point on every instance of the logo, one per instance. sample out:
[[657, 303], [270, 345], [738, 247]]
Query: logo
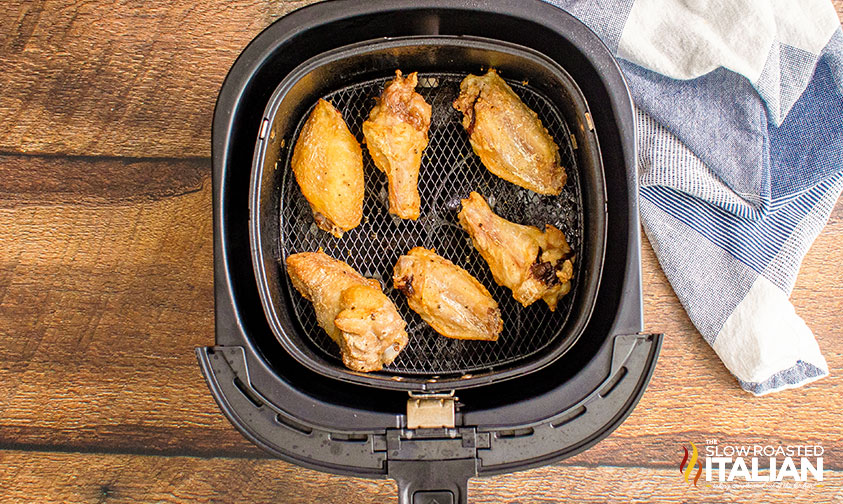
[[752, 465], [686, 471]]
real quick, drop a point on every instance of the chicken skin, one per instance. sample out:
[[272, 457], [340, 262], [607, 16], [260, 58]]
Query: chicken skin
[[328, 165], [447, 297], [352, 309], [534, 264], [396, 136], [507, 136]]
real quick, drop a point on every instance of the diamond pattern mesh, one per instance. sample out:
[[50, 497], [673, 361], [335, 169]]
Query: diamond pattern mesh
[[450, 171]]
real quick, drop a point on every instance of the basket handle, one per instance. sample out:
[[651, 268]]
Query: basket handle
[[432, 481]]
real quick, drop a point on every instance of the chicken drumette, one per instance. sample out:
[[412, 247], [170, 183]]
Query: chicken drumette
[[447, 297], [507, 136], [328, 164], [396, 136], [534, 264], [352, 309]]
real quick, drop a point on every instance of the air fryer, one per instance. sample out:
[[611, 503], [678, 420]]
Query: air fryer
[[444, 411]]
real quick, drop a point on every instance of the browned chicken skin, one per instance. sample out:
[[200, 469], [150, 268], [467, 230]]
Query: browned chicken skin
[[328, 164], [447, 297], [352, 309], [396, 136], [534, 264], [507, 136]]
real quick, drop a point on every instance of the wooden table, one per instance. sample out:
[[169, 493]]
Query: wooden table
[[106, 287]]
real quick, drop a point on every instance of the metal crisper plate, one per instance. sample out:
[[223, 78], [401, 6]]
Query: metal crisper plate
[[450, 171]]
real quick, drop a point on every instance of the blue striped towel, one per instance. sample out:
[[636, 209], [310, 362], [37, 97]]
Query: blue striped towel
[[740, 158]]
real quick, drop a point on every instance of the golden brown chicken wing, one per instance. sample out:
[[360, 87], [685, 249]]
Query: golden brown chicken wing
[[507, 136], [352, 309], [534, 264], [447, 297], [396, 135], [328, 164]]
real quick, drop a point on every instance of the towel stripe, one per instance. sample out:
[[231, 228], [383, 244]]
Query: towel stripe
[[755, 243]]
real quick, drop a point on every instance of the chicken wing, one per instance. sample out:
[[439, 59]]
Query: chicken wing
[[352, 309], [396, 136], [447, 297], [328, 164], [507, 136], [534, 264]]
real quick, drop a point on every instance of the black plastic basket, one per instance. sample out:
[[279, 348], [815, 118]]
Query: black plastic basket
[[519, 414], [281, 222]]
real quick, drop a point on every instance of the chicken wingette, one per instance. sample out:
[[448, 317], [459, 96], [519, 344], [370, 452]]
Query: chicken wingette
[[396, 136], [328, 165], [447, 297], [508, 137], [352, 309], [534, 264]]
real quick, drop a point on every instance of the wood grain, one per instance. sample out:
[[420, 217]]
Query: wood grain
[[74, 478], [104, 78], [41, 180], [100, 307], [103, 299]]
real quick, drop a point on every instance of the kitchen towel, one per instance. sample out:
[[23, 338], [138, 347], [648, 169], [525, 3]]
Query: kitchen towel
[[739, 114]]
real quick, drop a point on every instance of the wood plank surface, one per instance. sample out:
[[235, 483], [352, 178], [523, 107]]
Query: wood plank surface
[[105, 478], [105, 78], [106, 286]]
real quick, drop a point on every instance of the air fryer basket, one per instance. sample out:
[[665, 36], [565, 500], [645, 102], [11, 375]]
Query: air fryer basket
[[282, 223], [315, 415]]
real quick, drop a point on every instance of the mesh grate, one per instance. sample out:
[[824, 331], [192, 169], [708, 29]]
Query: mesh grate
[[450, 171]]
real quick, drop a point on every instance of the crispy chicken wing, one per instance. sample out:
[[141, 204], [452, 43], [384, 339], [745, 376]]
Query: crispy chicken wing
[[507, 136], [352, 309], [534, 264], [396, 135], [328, 164], [447, 297]]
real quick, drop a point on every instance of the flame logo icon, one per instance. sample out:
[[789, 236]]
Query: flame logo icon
[[686, 471]]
